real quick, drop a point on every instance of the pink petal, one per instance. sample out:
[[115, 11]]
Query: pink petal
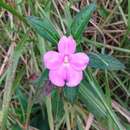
[[79, 61], [57, 77], [52, 60], [73, 77], [67, 45]]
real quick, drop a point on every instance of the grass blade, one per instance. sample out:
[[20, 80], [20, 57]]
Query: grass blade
[[12, 10], [102, 99], [16, 53]]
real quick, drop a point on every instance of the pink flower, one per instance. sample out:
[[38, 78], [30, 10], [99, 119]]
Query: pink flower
[[66, 67]]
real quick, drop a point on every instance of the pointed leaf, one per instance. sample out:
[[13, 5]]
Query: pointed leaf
[[81, 20], [102, 61], [44, 28]]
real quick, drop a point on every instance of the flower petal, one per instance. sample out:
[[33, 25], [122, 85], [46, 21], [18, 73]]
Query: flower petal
[[67, 45], [52, 60], [57, 77], [79, 61], [73, 77]]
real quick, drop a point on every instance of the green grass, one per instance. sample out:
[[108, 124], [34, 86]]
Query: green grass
[[23, 100]]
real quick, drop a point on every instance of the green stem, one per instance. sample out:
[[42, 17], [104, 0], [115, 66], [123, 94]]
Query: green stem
[[67, 116], [49, 112]]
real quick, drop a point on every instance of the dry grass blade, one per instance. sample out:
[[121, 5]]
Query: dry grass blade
[[7, 89], [121, 110], [89, 121], [6, 58]]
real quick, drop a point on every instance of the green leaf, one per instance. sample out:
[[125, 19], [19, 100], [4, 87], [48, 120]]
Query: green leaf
[[102, 61], [127, 126], [81, 20], [21, 98], [70, 93], [58, 106], [42, 78], [88, 96], [103, 11], [16, 127], [95, 87], [39, 118], [44, 28], [68, 18]]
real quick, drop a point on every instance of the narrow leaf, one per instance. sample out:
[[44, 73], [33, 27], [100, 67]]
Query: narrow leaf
[[102, 98], [14, 58], [91, 101], [49, 112], [58, 107]]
